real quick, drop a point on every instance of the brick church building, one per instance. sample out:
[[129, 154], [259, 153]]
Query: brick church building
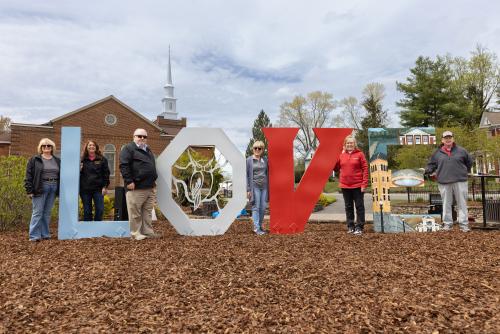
[[109, 121]]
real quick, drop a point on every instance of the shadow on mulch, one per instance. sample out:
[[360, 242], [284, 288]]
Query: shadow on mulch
[[322, 280]]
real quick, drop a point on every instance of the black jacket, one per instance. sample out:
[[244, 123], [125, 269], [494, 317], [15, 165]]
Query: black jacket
[[94, 175], [138, 166], [33, 182]]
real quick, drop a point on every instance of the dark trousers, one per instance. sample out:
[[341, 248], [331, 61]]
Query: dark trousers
[[354, 197], [87, 199]]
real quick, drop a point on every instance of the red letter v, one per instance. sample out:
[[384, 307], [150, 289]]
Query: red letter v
[[290, 209]]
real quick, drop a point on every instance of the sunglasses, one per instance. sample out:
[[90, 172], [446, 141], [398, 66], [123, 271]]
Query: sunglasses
[[141, 136], [258, 148], [47, 145]]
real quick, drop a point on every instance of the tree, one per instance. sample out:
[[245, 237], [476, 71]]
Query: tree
[[429, 96], [450, 91], [478, 80], [493, 148], [15, 206], [376, 116], [306, 113], [4, 124], [484, 77], [413, 156], [498, 99], [262, 121], [351, 114]]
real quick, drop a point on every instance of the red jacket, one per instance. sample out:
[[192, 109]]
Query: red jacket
[[353, 169]]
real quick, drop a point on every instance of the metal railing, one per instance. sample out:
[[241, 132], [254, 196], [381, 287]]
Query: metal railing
[[421, 194]]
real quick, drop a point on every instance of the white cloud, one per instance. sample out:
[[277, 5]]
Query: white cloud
[[230, 59]]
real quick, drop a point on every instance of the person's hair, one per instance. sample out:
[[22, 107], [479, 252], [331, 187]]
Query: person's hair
[[46, 141], [258, 143], [140, 130], [350, 137], [86, 150]]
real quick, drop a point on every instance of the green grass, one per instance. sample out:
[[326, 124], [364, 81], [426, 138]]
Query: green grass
[[331, 187]]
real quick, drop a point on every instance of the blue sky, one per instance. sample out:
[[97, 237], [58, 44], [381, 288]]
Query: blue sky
[[230, 59]]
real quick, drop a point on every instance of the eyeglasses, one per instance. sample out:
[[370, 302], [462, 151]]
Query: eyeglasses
[[141, 136], [258, 148], [46, 145]]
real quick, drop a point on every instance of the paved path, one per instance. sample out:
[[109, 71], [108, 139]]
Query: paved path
[[335, 212]]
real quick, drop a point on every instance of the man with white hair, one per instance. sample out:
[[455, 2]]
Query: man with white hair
[[451, 164], [138, 168]]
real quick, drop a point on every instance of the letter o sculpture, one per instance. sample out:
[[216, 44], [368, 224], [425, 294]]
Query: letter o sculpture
[[179, 220]]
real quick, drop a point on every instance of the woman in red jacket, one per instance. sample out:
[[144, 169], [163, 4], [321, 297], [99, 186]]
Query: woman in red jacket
[[353, 182]]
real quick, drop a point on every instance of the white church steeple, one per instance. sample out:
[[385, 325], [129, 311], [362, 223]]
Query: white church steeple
[[169, 107]]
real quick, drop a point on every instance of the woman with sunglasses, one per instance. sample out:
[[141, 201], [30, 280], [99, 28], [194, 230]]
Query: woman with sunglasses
[[257, 185], [42, 186], [94, 181]]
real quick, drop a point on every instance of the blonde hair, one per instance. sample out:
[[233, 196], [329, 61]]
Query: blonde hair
[[258, 143], [46, 141], [350, 137]]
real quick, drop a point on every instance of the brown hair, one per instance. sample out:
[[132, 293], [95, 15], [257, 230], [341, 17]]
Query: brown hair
[[86, 151]]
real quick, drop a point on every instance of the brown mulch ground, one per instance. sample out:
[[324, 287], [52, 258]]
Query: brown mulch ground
[[320, 281]]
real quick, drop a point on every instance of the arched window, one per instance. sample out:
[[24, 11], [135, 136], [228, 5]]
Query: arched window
[[110, 153]]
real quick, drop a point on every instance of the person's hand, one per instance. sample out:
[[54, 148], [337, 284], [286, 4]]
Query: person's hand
[[30, 195], [249, 194], [131, 186], [104, 191], [81, 165], [363, 189]]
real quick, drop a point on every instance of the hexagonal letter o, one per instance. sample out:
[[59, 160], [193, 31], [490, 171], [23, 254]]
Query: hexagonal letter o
[[200, 137]]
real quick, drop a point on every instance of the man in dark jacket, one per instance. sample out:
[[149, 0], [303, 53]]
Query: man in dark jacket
[[138, 168], [451, 163]]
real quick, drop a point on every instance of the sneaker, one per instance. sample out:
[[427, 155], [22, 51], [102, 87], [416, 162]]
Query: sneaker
[[446, 228], [358, 232], [350, 230], [139, 237], [35, 240], [260, 232], [465, 230]]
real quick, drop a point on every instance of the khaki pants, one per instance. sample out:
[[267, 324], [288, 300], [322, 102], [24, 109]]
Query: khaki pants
[[459, 190], [139, 206]]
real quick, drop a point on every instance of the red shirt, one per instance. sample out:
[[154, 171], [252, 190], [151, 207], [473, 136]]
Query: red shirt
[[353, 169], [446, 150]]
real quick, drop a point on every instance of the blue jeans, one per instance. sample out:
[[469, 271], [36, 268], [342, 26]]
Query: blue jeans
[[258, 208], [40, 216], [98, 199]]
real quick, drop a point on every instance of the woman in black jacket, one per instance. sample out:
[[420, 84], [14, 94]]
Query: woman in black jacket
[[94, 181], [42, 186]]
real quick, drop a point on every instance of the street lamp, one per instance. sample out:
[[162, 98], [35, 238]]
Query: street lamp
[[381, 204]]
